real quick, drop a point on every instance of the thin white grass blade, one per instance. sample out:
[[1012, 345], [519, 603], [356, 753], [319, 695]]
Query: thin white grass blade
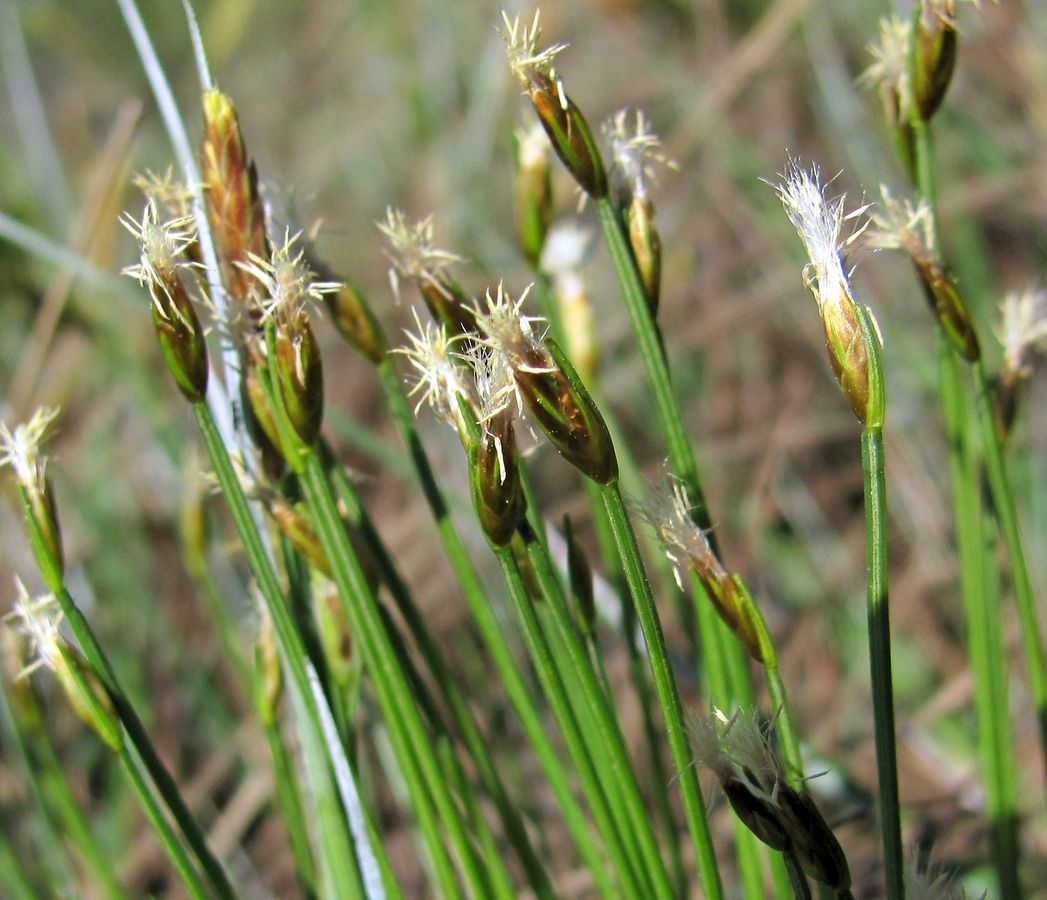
[[229, 424], [202, 69], [365, 858]]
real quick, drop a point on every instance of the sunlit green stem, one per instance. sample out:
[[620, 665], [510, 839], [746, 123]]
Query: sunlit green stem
[[336, 859], [490, 628], [879, 625], [665, 688]]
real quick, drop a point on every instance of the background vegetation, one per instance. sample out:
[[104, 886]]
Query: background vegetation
[[349, 107]]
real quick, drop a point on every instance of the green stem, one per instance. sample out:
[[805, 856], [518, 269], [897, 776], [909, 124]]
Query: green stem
[[289, 801], [445, 682], [665, 688], [48, 853], [797, 880], [113, 736], [75, 824], [406, 729], [880, 657], [979, 578], [577, 747], [595, 715], [491, 631], [980, 588], [1007, 514], [165, 784], [337, 859], [681, 456], [193, 883]]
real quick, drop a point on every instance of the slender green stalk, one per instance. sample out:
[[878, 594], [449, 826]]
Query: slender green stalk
[[797, 880], [452, 694], [161, 778], [73, 821], [447, 758], [980, 589], [1007, 514], [186, 871], [336, 859], [979, 579], [406, 730], [880, 657], [289, 801], [114, 738], [577, 746], [593, 713], [681, 456], [665, 687], [491, 631], [49, 855]]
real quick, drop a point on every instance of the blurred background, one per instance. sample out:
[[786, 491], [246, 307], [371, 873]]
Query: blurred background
[[349, 107]]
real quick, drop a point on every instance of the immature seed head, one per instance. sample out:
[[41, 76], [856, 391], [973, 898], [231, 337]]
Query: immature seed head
[[548, 384], [233, 199], [925, 881], [566, 250], [287, 290], [1023, 330], [934, 54], [414, 255], [740, 752], [667, 509], [820, 224], [20, 449], [901, 224], [889, 72], [39, 620], [560, 117], [635, 153], [497, 491], [437, 377], [162, 245]]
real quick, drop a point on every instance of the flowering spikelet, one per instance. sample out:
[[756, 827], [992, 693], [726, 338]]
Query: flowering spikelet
[[667, 509], [739, 752], [903, 225], [853, 350], [634, 155], [1022, 331], [889, 71], [20, 449], [497, 491], [39, 619], [548, 384], [233, 200], [438, 377], [174, 196], [162, 245], [934, 54], [414, 255], [560, 117], [287, 290]]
